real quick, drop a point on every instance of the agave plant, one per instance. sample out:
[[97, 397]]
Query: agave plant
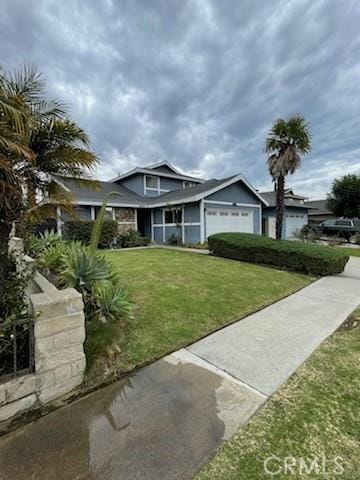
[[51, 260], [83, 268], [38, 244], [112, 302]]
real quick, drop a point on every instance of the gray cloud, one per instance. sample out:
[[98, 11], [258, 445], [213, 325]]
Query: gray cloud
[[198, 82]]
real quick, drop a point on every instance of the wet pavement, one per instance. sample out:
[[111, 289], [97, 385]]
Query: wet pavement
[[161, 423]]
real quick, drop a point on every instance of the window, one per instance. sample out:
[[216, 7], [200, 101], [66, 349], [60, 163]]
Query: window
[[224, 214], [173, 216], [108, 213], [189, 184], [244, 214], [343, 223], [211, 212], [234, 214], [152, 182]]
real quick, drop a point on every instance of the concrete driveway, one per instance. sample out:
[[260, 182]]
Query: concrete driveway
[[168, 419]]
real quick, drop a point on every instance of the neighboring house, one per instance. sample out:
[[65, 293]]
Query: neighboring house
[[295, 214], [319, 211], [159, 202]]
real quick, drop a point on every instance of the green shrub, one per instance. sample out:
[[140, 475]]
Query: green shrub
[[112, 302], [34, 245], [83, 268], [132, 238], [174, 240], [302, 257], [82, 229]]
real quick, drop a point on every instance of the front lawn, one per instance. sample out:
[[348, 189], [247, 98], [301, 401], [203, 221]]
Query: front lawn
[[316, 414], [180, 297], [353, 252]]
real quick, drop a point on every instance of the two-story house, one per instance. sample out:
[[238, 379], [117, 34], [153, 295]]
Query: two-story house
[[159, 202]]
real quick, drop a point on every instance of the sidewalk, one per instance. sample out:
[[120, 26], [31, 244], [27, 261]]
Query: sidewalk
[[168, 419]]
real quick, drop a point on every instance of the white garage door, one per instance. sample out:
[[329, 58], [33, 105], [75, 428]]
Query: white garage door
[[220, 220], [294, 222]]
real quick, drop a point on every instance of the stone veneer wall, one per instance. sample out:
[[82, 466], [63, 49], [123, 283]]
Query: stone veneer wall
[[59, 334]]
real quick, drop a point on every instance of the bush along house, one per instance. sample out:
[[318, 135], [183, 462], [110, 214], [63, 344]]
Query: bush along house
[[162, 203]]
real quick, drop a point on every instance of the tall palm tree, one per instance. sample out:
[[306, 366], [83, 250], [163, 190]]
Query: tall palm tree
[[287, 140], [38, 142]]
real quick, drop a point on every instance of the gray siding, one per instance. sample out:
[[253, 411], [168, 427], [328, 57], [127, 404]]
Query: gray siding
[[238, 192], [192, 213], [192, 234], [169, 231], [164, 169], [158, 215], [158, 234], [170, 184], [152, 193], [134, 183]]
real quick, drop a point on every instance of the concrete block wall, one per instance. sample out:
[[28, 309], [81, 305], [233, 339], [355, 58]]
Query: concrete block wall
[[59, 334]]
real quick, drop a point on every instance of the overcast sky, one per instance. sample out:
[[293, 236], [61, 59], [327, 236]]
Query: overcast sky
[[198, 82]]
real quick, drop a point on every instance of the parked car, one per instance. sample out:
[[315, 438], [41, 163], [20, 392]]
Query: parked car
[[342, 227]]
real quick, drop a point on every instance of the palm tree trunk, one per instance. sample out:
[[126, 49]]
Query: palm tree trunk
[[280, 190]]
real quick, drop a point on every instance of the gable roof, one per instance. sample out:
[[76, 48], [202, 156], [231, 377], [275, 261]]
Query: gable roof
[[198, 192], [86, 194], [165, 164], [94, 192], [154, 169], [319, 207], [290, 200]]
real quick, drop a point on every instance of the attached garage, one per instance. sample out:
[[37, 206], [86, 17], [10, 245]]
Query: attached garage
[[294, 222], [220, 220]]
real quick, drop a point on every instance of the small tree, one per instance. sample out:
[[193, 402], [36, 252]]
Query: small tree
[[344, 198], [287, 139]]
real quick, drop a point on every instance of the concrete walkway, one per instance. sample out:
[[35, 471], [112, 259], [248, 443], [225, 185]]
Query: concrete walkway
[[168, 419]]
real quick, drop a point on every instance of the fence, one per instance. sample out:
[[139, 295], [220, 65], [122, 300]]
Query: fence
[[16, 348]]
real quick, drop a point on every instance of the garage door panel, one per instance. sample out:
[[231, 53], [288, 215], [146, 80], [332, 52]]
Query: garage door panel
[[231, 220], [294, 222]]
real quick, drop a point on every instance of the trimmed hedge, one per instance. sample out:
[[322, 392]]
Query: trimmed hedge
[[301, 257], [81, 230]]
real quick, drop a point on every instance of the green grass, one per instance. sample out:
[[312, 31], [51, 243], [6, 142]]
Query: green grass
[[354, 252], [315, 414], [180, 297]]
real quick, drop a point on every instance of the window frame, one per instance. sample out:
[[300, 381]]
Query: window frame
[[157, 188], [174, 212]]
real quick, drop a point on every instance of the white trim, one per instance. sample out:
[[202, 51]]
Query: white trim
[[136, 223], [183, 224], [232, 204], [163, 219], [260, 221], [202, 221], [110, 204], [187, 224], [126, 223], [92, 213], [160, 174], [152, 225], [113, 213], [59, 222]]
